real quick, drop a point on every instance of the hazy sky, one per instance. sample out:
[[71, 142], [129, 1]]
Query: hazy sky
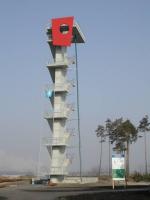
[[114, 70]]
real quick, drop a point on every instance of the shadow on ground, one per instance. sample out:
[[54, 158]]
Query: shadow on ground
[[111, 195], [3, 198]]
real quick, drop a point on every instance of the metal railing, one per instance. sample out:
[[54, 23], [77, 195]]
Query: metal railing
[[58, 170], [64, 130], [60, 114], [65, 86], [69, 60], [50, 141], [62, 111]]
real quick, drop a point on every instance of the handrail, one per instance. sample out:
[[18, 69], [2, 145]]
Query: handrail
[[67, 85], [64, 110], [56, 140], [58, 170]]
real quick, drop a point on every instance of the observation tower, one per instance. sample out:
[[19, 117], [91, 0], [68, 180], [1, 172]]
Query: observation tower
[[62, 33]]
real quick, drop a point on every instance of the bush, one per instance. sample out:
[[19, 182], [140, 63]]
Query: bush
[[137, 177], [146, 177]]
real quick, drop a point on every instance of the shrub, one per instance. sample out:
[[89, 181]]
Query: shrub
[[137, 177]]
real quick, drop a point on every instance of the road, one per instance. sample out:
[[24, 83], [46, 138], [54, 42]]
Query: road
[[17, 193], [31, 192], [46, 193]]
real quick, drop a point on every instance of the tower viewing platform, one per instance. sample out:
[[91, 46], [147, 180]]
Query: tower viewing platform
[[62, 33]]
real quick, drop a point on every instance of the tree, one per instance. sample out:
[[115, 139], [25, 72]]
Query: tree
[[120, 133], [144, 126], [100, 132], [109, 132], [123, 133]]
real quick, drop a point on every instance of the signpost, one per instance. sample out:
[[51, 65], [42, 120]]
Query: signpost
[[118, 169]]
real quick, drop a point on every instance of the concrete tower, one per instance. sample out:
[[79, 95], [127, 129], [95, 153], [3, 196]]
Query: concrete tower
[[58, 91]]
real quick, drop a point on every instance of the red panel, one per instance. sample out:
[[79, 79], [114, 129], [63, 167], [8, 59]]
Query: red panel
[[59, 38]]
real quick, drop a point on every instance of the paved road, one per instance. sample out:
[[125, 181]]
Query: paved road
[[31, 193], [46, 193], [15, 193]]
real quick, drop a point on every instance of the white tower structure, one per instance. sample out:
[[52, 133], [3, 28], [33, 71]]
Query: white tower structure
[[58, 91]]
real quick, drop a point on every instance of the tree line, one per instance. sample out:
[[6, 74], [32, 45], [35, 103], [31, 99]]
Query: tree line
[[121, 134]]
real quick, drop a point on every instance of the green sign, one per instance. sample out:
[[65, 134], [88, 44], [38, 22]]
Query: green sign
[[118, 168]]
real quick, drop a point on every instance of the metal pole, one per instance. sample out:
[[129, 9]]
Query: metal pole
[[78, 110]]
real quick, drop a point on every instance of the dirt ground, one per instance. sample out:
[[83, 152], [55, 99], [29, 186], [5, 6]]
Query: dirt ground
[[6, 181]]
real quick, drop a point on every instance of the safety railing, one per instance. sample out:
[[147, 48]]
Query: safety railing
[[58, 170], [60, 112], [56, 141], [65, 86], [68, 60]]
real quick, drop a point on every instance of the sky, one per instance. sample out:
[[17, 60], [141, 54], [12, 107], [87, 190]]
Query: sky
[[114, 68]]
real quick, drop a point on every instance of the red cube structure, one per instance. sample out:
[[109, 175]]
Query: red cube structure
[[62, 31]]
